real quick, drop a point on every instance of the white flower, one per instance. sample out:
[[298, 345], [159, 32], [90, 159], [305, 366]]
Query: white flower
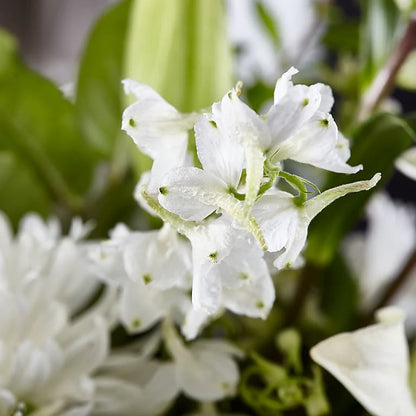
[[205, 370], [285, 223], [373, 364], [302, 128], [153, 270], [406, 163], [157, 128], [229, 270], [380, 254], [131, 383]]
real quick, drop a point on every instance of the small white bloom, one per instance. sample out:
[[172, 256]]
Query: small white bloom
[[373, 364], [157, 128], [205, 370], [229, 270], [285, 223], [302, 128]]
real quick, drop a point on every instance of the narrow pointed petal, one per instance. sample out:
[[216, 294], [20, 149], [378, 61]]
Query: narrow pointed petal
[[315, 205]]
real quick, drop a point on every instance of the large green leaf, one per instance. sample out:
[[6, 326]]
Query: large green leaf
[[181, 49], [20, 191], [37, 124], [377, 143], [99, 101]]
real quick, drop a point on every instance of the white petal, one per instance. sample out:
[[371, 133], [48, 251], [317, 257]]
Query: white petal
[[283, 84], [154, 125], [406, 163], [293, 110], [318, 144], [254, 299], [219, 153], [191, 193], [372, 363], [206, 374], [140, 307]]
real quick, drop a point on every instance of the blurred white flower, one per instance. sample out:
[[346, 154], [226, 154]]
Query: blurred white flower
[[153, 270], [379, 255], [205, 370], [406, 163], [373, 364]]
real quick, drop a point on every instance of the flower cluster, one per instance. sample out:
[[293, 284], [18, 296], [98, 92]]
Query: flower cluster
[[228, 204]]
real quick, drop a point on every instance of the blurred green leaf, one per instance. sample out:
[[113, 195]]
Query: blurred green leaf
[[339, 295], [342, 37], [376, 144], [99, 100], [379, 34], [269, 23], [20, 191], [181, 49], [37, 124]]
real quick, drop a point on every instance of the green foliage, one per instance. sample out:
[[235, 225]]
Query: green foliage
[[338, 295], [99, 98], [180, 48], [269, 23], [376, 144], [38, 126], [380, 29], [270, 388], [20, 190]]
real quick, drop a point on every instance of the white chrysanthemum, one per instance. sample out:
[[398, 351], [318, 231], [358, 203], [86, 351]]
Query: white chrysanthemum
[[47, 359], [373, 364]]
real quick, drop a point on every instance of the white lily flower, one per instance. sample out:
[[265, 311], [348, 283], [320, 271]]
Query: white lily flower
[[285, 223], [157, 128], [229, 270], [205, 370], [373, 364], [406, 163]]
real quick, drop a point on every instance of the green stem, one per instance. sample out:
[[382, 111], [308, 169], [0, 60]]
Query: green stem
[[384, 81]]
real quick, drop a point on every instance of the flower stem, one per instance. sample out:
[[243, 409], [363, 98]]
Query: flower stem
[[384, 81]]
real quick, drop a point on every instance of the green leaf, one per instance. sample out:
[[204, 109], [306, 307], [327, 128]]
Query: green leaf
[[99, 98], [376, 144], [20, 191], [339, 295], [37, 124], [180, 48], [269, 23], [379, 34]]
